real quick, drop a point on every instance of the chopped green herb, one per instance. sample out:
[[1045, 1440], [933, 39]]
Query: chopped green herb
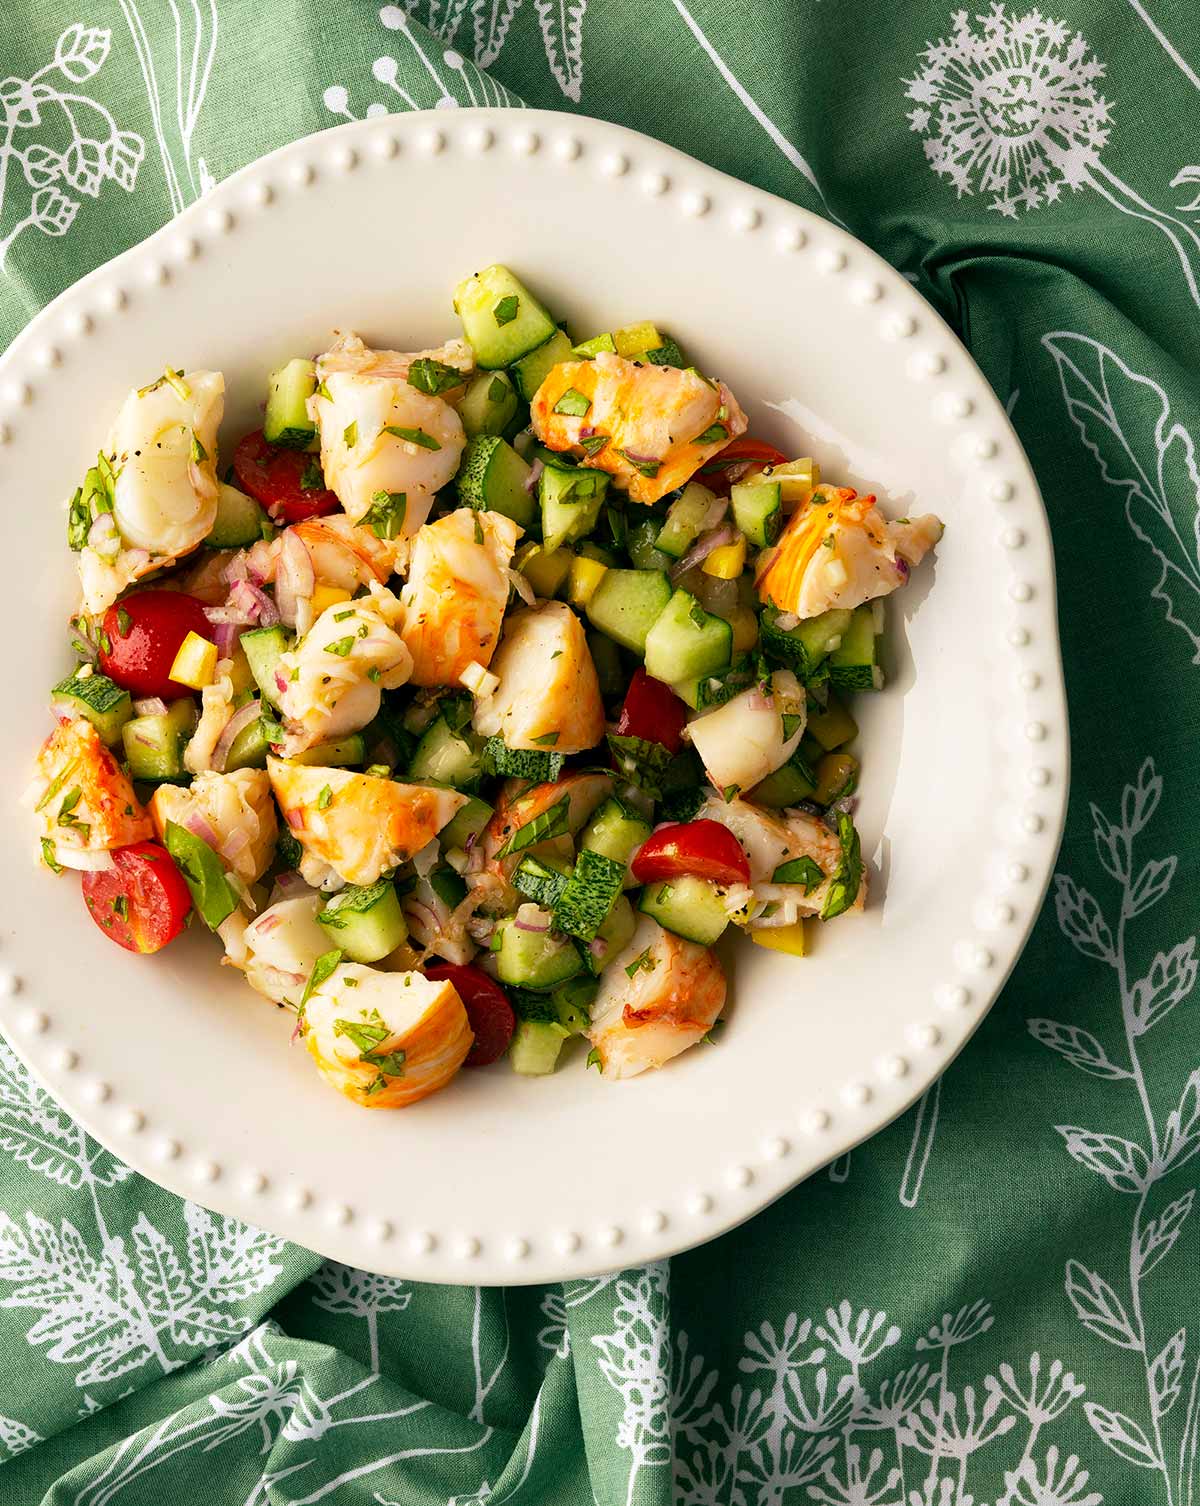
[[49, 856], [349, 982], [324, 798], [506, 310], [714, 434], [69, 802], [429, 375], [413, 436], [843, 888], [203, 873], [323, 391], [198, 451], [385, 516], [103, 641], [497, 390], [56, 784], [550, 823], [573, 403], [374, 674], [697, 613], [594, 443], [79, 520], [730, 790], [548, 741], [350, 434], [556, 653], [649, 468], [174, 380], [343, 616], [478, 529], [121, 906], [790, 723], [640, 761], [643, 962], [340, 646], [124, 623], [377, 771], [312, 479], [289, 850], [324, 967], [593, 1060], [799, 871]]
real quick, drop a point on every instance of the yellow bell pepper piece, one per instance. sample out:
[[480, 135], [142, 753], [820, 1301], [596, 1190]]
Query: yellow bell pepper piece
[[744, 623], [327, 596], [544, 570], [196, 662], [585, 576], [789, 939], [635, 338], [727, 562]]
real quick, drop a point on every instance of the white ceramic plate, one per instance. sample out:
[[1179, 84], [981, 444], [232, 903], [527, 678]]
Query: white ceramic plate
[[178, 1068]]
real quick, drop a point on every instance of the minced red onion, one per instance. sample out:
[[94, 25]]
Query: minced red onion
[[294, 577], [236, 842], [238, 722], [703, 547], [261, 562], [199, 827], [786, 621], [597, 947], [225, 636], [523, 925], [266, 923], [150, 705], [634, 458], [756, 701], [295, 818], [289, 883], [848, 804], [535, 470]]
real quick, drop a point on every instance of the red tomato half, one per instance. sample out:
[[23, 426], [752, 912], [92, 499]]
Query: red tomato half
[[275, 477], [142, 902], [652, 711], [703, 849], [143, 634], [488, 1010], [732, 462]]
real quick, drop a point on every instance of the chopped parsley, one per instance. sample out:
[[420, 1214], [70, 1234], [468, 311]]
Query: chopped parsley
[[324, 967], [323, 391], [79, 520], [385, 516], [506, 310], [432, 376], [573, 403], [350, 434], [548, 741], [714, 434], [121, 906], [324, 798], [790, 723], [413, 436], [730, 790], [368, 1035], [374, 674], [340, 646]]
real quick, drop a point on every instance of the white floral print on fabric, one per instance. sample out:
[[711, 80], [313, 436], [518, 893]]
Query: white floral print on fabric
[[57, 142], [1126, 424], [1134, 1168], [1009, 106], [485, 25]]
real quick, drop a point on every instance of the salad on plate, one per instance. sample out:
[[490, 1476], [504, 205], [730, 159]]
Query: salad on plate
[[473, 699]]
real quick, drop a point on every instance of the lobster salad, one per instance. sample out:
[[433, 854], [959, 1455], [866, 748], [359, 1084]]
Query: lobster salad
[[472, 699]]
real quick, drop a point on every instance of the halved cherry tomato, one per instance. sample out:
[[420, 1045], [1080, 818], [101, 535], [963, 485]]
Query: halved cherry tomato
[[142, 635], [703, 849], [141, 902], [735, 459], [652, 711], [288, 483], [488, 1010]]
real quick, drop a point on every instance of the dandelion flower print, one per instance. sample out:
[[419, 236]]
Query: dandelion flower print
[[1010, 106]]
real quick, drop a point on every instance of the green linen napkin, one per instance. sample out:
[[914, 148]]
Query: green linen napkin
[[995, 1300]]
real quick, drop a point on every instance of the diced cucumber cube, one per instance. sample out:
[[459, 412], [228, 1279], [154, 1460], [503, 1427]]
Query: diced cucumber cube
[[853, 664], [489, 404], [365, 923], [758, 510], [447, 757], [494, 478], [535, 1046], [686, 640], [532, 370], [286, 421], [264, 647], [685, 520], [240, 521], [626, 605], [536, 959], [501, 318], [691, 907], [803, 647], [570, 501], [97, 698]]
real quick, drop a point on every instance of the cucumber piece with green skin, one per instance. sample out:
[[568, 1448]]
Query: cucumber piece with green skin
[[537, 960], [690, 907], [239, 522], [570, 501], [703, 692], [615, 831], [594, 346], [686, 640], [758, 510], [590, 550], [667, 354], [264, 647], [685, 520], [501, 318], [785, 787], [537, 765], [831, 727], [854, 665], [535, 1047], [446, 757], [610, 672], [97, 698], [286, 421], [494, 478], [366, 923], [804, 647], [626, 605], [546, 571], [489, 404], [154, 744], [343, 753], [612, 938], [465, 824], [642, 545], [541, 881], [592, 889], [532, 370], [249, 748]]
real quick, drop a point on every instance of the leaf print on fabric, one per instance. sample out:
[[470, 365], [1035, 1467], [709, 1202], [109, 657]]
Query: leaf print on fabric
[[634, 1361], [36, 1132], [561, 22], [1009, 107], [1078, 1046], [490, 20], [15, 1438], [42, 102], [1029, 1486], [1126, 424], [1126, 1166], [176, 83]]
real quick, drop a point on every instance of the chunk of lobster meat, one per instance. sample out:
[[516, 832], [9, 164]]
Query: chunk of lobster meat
[[331, 683], [657, 998], [282, 945], [456, 593], [346, 555], [385, 1039], [753, 734], [549, 695], [840, 551], [380, 434], [349, 353], [233, 813], [83, 800], [358, 825], [517, 805], [659, 424]]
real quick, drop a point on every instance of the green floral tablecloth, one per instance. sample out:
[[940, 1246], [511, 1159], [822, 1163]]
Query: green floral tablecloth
[[995, 1300]]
